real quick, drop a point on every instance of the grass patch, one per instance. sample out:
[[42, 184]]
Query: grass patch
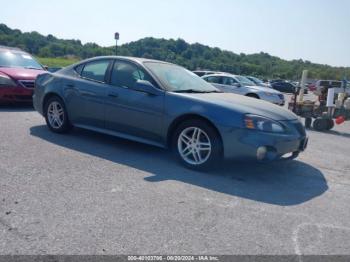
[[57, 62]]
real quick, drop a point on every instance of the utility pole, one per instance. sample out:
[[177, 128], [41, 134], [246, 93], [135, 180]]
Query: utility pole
[[116, 37], [302, 85]]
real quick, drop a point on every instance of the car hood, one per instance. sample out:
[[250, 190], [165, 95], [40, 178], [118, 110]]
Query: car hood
[[265, 89], [21, 73], [246, 105]]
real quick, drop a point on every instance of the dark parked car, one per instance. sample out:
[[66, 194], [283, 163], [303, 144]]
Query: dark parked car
[[286, 87], [283, 86], [18, 71], [165, 105]]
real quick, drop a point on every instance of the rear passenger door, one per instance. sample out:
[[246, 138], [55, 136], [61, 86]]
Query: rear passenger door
[[86, 94], [214, 80]]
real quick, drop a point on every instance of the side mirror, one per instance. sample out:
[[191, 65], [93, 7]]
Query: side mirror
[[146, 87], [46, 68]]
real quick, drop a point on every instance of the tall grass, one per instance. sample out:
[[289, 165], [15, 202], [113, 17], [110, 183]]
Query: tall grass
[[57, 62]]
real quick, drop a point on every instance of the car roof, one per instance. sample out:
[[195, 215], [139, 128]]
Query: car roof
[[221, 74], [206, 71], [130, 58]]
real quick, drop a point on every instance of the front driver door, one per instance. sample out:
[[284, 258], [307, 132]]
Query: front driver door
[[231, 85], [133, 112]]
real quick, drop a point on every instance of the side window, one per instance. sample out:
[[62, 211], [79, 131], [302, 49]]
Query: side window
[[214, 79], [125, 74], [208, 79], [95, 70], [234, 81], [228, 81], [220, 80]]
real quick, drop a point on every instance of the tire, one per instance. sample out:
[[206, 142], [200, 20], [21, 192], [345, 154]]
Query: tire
[[320, 124], [330, 124], [253, 96], [308, 122], [57, 119], [185, 141]]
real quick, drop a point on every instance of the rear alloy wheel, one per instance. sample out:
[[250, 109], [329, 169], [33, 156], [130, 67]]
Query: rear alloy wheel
[[197, 144], [56, 115]]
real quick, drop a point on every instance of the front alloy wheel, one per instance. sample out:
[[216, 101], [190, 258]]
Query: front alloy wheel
[[194, 146], [197, 144]]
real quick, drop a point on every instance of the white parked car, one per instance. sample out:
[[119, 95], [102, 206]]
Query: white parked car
[[243, 86]]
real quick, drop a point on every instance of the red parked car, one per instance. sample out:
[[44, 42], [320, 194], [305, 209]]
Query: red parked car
[[312, 87], [18, 71]]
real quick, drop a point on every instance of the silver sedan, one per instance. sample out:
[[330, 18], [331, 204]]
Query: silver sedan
[[243, 86]]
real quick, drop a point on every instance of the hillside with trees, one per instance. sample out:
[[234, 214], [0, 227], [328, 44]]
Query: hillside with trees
[[191, 56]]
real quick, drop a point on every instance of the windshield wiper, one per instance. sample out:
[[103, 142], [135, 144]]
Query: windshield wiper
[[214, 91], [30, 67], [196, 91]]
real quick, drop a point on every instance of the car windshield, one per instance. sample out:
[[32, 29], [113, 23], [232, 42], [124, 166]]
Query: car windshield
[[178, 79], [244, 81], [17, 59], [256, 80]]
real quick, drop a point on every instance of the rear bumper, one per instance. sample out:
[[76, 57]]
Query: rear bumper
[[36, 104], [255, 145], [15, 94]]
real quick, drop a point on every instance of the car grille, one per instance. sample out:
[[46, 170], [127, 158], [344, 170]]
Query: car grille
[[27, 83]]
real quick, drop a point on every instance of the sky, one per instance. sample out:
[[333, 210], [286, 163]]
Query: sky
[[314, 30]]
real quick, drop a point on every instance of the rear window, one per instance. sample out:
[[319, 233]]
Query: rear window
[[95, 70]]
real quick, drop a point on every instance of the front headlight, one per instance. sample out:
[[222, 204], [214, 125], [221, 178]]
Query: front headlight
[[263, 124], [6, 81]]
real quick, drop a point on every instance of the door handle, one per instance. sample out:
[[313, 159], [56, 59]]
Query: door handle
[[87, 93], [114, 95]]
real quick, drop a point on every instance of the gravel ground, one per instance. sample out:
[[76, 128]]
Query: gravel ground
[[86, 193]]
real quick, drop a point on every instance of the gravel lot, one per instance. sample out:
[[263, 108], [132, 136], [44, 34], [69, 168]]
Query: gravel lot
[[86, 193]]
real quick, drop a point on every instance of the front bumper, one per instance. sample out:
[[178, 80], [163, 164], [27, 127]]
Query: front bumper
[[275, 99], [251, 144], [15, 94]]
